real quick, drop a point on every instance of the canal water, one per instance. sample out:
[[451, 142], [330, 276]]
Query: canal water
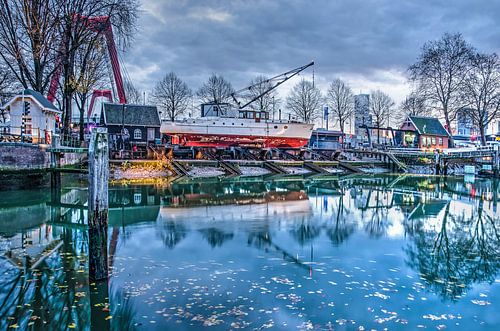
[[349, 253]]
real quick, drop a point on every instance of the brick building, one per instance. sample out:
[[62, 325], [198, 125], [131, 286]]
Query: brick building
[[424, 132]]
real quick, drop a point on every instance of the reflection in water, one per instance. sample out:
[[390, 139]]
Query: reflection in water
[[216, 237], [171, 233], [457, 251], [284, 253]]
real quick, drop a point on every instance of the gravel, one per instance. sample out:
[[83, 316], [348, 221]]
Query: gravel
[[139, 173], [254, 171], [334, 170], [296, 170], [205, 172]]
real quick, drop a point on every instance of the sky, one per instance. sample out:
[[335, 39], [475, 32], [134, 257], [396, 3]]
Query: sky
[[369, 44]]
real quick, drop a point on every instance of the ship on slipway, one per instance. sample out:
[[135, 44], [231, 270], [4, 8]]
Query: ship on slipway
[[226, 125]]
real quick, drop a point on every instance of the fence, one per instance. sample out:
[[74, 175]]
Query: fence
[[27, 135], [38, 136]]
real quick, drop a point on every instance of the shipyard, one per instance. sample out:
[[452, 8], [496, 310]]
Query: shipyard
[[249, 165]]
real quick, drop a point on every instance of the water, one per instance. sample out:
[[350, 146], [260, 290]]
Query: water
[[368, 252]]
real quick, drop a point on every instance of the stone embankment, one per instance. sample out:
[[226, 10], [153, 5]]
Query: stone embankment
[[22, 156]]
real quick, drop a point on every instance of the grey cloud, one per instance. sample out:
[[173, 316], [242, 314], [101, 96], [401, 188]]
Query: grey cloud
[[242, 38]]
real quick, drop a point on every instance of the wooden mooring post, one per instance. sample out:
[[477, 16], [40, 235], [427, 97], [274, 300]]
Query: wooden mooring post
[[98, 204], [55, 162]]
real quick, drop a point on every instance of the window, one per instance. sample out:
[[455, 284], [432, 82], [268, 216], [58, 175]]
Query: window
[[433, 141], [440, 141], [275, 126], [137, 198], [137, 134]]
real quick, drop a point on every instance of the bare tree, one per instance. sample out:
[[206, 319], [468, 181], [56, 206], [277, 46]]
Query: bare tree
[[86, 22], [172, 95], [216, 90], [412, 105], [380, 107], [90, 74], [28, 32], [341, 101], [134, 96], [481, 91], [439, 73], [304, 101], [41, 38], [8, 84]]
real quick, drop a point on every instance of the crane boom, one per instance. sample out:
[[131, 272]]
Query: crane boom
[[277, 80]]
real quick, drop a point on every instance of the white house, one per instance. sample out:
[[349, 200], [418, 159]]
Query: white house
[[37, 126]]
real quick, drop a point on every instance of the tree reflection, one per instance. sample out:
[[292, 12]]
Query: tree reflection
[[48, 297], [305, 232], [171, 233], [462, 251], [215, 237], [378, 223], [341, 229]]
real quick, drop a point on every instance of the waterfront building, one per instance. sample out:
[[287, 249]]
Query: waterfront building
[[131, 128], [29, 117], [424, 132], [362, 116]]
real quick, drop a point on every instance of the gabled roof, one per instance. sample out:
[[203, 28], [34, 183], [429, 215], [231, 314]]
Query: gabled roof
[[428, 125], [41, 99], [37, 97], [117, 114]]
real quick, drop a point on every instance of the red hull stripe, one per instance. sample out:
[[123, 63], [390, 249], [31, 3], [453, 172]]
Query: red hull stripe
[[199, 140]]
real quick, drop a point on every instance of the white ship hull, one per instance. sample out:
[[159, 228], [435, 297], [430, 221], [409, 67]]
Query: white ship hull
[[227, 132]]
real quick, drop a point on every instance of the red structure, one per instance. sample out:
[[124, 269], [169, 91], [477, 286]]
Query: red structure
[[100, 24], [99, 93]]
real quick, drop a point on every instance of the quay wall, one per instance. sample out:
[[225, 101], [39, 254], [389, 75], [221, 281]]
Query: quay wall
[[19, 156]]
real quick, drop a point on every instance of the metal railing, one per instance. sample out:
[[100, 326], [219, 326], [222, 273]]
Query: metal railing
[[21, 134]]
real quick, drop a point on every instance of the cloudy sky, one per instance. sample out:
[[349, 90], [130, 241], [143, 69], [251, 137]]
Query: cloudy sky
[[367, 43]]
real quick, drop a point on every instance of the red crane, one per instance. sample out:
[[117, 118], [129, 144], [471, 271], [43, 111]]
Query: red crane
[[99, 24]]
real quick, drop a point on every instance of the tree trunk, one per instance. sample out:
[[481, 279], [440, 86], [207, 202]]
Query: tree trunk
[[483, 135], [341, 122], [448, 128], [82, 119], [68, 97]]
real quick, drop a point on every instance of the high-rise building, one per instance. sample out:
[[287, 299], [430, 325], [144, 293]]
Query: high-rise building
[[465, 123], [362, 116]]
